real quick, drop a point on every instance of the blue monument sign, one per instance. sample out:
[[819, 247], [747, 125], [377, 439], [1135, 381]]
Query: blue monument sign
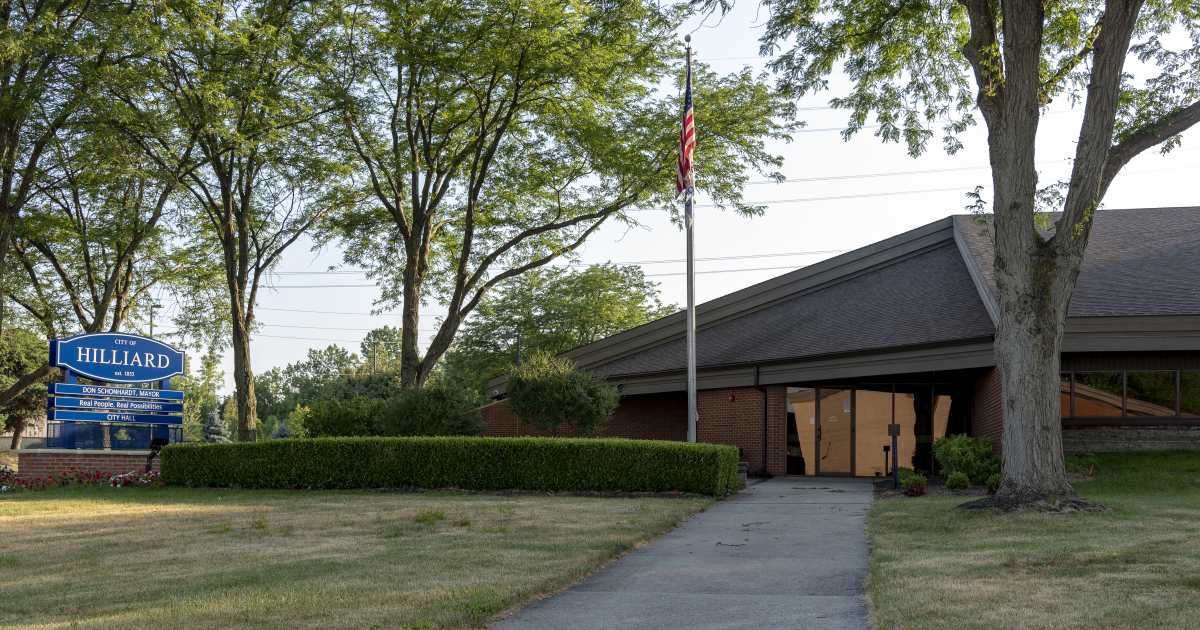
[[127, 400]]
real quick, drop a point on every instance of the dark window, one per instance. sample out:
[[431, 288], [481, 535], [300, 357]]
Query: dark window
[[1098, 394], [1189, 393], [1150, 393]]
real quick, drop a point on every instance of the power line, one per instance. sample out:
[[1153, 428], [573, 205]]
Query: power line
[[258, 336], [301, 310], [649, 275], [886, 193], [273, 325], [575, 263]]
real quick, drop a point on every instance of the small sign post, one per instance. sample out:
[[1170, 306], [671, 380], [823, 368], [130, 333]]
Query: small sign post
[[894, 431], [131, 392]]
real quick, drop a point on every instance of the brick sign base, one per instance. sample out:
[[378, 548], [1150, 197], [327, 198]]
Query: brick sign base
[[42, 462]]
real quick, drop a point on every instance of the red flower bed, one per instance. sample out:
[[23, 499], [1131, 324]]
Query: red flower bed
[[77, 477]]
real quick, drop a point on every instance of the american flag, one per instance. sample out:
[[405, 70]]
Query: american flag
[[685, 178]]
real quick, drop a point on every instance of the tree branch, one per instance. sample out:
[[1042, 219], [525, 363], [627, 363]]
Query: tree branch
[[1070, 63], [982, 51], [25, 382], [1147, 136]]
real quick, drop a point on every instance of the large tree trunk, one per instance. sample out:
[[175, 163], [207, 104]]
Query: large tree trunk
[[243, 378], [411, 372], [5, 235], [1028, 346], [18, 431]]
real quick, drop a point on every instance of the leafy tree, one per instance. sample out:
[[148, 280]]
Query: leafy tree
[[272, 395], [97, 241], [380, 386], [237, 81], [381, 349], [21, 352], [294, 424], [302, 383], [54, 56], [320, 368], [201, 396], [917, 65], [496, 136], [549, 310], [549, 393]]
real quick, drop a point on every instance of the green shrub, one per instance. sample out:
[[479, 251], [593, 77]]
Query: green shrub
[[915, 486], [472, 463], [993, 483], [428, 411], [910, 477], [957, 481], [548, 392], [351, 416], [967, 455], [378, 386]]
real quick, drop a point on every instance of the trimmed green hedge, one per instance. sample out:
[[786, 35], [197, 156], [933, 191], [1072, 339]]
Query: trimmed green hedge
[[471, 463]]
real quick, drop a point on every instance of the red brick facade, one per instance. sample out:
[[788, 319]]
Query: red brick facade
[[735, 416], [987, 421], [42, 462], [726, 416]]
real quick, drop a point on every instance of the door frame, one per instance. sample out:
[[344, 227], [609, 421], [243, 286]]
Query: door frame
[[817, 472]]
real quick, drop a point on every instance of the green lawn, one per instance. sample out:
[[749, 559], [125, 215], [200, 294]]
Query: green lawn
[[1135, 566], [182, 558]]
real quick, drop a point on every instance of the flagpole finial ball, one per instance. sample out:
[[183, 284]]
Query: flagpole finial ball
[[687, 38]]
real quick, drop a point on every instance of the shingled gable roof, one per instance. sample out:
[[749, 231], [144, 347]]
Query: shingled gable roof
[[1140, 262], [930, 287], [908, 290]]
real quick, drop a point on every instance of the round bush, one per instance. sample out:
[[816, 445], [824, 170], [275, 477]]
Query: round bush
[[430, 411], [345, 417], [967, 455], [550, 393], [912, 482], [957, 481]]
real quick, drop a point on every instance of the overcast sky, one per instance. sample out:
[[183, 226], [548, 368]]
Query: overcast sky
[[825, 216]]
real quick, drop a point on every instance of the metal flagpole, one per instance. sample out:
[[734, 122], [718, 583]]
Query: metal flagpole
[[691, 277]]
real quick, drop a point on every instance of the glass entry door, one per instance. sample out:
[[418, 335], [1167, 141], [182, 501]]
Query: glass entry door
[[835, 432]]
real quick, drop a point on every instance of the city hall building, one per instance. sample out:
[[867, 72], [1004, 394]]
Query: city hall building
[[805, 371]]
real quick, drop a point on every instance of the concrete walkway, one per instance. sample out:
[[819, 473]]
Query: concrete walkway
[[786, 553]]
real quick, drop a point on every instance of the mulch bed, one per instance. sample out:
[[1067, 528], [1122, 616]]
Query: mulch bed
[[935, 488]]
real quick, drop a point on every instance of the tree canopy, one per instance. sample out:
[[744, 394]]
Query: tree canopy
[[494, 137], [549, 310]]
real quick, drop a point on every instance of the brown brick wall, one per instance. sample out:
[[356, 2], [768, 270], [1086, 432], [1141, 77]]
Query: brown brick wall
[[987, 421], [726, 416], [40, 463]]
